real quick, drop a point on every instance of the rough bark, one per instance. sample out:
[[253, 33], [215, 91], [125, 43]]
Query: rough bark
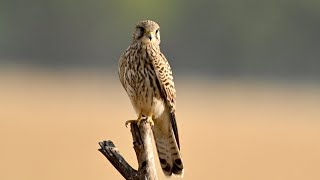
[[142, 144]]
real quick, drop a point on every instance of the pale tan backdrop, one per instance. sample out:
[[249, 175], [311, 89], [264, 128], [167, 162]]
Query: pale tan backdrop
[[50, 124]]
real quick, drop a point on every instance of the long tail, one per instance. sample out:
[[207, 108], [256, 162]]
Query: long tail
[[168, 147]]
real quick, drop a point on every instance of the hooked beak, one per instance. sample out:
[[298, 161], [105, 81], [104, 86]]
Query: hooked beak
[[150, 35]]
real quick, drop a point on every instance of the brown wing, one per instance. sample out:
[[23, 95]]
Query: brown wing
[[167, 89], [165, 78]]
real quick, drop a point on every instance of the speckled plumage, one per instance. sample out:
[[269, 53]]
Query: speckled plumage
[[147, 78]]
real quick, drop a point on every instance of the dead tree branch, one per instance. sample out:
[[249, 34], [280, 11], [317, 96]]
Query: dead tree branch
[[142, 144]]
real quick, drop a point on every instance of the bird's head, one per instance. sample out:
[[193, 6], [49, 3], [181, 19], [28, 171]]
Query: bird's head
[[147, 32]]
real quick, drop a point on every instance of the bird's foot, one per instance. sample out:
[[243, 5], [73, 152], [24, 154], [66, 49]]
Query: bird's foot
[[149, 120], [139, 120]]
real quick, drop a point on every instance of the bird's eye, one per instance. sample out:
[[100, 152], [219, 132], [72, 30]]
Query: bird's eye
[[157, 30]]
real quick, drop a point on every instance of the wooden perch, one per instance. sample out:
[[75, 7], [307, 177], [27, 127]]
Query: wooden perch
[[142, 144]]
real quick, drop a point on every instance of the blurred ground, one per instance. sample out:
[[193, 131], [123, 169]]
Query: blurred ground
[[50, 124]]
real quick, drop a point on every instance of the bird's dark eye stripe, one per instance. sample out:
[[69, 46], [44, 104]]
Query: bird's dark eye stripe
[[157, 30], [141, 28]]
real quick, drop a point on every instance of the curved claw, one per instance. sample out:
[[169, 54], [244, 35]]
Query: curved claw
[[139, 120], [140, 117], [149, 120]]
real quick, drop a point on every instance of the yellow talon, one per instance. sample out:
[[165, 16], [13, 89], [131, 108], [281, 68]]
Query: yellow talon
[[149, 120], [139, 120]]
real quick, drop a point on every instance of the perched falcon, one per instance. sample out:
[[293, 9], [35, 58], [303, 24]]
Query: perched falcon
[[146, 75]]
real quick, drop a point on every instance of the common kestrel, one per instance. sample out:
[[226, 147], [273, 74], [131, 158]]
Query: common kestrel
[[147, 78]]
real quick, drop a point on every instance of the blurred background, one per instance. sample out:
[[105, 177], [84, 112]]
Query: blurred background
[[246, 73]]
